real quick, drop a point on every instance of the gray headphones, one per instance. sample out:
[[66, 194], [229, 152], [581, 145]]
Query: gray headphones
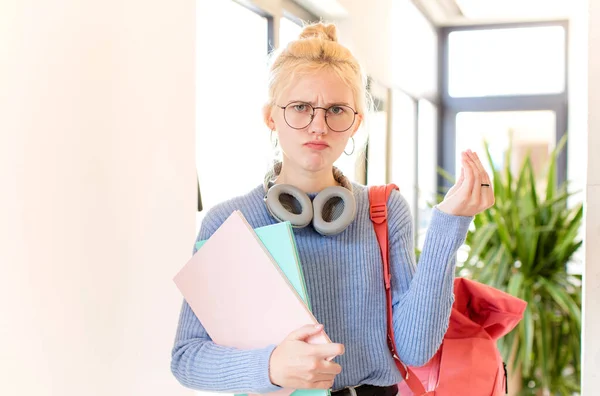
[[331, 211]]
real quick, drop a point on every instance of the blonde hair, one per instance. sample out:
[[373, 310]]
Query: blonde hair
[[316, 49]]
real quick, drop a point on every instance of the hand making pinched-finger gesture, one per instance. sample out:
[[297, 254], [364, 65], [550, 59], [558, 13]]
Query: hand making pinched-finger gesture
[[472, 192]]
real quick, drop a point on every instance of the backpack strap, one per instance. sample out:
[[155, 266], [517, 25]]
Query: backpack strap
[[378, 197]]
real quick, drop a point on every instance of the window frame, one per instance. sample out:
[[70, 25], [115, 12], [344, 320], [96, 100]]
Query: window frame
[[451, 106]]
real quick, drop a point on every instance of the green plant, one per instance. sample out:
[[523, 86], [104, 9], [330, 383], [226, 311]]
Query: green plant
[[522, 245]]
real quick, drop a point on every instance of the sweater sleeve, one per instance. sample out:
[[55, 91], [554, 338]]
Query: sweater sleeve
[[198, 363], [422, 295]]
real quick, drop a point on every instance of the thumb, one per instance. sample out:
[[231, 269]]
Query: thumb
[[458, 183], [304, 332]]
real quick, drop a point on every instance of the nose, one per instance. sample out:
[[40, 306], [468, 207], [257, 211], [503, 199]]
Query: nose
[[318, 123]]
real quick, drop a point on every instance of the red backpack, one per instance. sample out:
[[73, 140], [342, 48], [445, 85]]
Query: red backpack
[[468, 358]]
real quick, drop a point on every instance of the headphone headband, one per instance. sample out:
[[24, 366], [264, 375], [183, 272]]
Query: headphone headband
[[275, 170]]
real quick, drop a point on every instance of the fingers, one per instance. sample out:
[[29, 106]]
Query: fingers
[[476, 191], [469, 181], [304, 332], [312, 378], [457, 184], [488, 192], [330, 368], [461, 179], [485, 178], [322, 374], [322, 385], [478, 164], [469, 197], [297, 364], [325, 351], [484, 194]]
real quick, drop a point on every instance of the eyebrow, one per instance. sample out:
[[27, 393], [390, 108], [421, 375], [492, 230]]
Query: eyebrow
[[313, 104]]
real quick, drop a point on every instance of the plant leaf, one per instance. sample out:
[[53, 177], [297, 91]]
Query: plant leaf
[[565, 301]]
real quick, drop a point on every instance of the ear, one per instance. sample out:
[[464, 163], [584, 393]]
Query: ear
[[357, 124], [267, 109]]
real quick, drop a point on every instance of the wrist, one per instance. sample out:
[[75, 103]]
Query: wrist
[[273, 374]]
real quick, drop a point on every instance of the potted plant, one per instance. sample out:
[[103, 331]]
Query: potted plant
[[522, 245]]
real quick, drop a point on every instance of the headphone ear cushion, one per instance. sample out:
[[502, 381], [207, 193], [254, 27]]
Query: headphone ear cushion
[[343, 221], [279, 212]]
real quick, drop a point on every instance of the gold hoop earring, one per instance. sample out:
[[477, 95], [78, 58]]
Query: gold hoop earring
[[353, 146]]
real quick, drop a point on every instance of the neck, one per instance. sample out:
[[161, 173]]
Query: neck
[[307, 181]]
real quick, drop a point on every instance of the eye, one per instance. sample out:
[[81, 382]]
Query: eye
[[337, 110], [301, 107]]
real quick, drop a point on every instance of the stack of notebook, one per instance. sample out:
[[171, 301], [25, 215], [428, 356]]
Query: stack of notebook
[[247, 288]]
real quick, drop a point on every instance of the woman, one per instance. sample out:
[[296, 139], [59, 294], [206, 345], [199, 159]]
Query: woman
[[317, 101]]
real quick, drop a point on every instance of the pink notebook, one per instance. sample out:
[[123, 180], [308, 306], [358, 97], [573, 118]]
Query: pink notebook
[[239, 294]]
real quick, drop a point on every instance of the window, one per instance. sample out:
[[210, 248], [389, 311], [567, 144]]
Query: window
[[403, 143], [501, 61], [288, 31], [427, 172], [504, 74], [413, 50], [368, 162], [353, 165], [377, 143], [233, 148], [532, 131]]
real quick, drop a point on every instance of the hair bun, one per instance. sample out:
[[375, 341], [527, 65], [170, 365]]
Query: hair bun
[[321, 31]]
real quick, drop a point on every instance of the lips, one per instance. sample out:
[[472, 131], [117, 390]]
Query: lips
[[317, 145]]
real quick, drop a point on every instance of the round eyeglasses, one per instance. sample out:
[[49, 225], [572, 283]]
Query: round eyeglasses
[[299, 115]]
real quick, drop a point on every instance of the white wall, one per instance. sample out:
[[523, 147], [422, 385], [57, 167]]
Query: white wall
[[394, 42], [98, 193], [366, 33], [414, 51], [591, 317], [578, 100]]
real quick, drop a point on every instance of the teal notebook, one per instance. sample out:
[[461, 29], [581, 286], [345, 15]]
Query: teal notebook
[[281, 244]]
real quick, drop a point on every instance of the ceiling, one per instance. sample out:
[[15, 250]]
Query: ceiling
[[458, 12], [463, 12]]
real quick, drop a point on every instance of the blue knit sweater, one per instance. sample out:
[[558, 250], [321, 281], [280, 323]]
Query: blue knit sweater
[[344, 279]]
